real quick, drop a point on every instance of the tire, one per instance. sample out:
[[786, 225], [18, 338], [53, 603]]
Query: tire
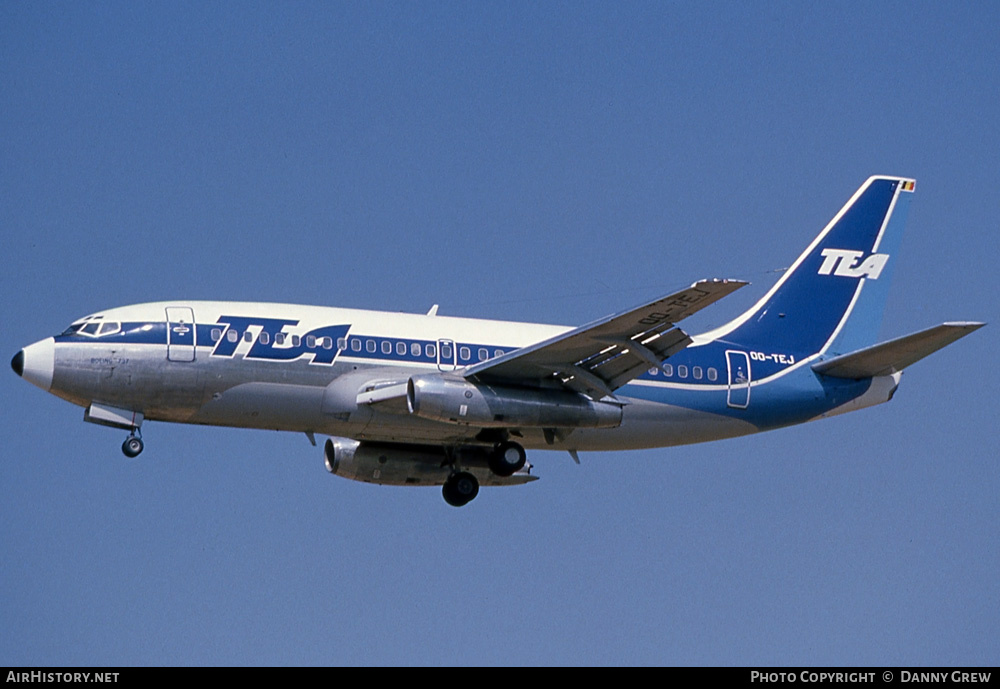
[[507, 459], [460, 489], [132, 446]]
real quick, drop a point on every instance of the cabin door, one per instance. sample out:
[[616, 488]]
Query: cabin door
[[446, 353], [739, 379], [180, 333]]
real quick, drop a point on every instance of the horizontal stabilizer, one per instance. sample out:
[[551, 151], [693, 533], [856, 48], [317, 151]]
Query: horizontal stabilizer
[[889, 357]]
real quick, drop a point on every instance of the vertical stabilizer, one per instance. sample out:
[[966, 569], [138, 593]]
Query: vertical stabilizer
[[832, 298]]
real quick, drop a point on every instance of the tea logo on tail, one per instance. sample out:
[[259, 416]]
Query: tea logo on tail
[[845, 264]]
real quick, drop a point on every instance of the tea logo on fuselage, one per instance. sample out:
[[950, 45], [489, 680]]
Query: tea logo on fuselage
[[283, 348]]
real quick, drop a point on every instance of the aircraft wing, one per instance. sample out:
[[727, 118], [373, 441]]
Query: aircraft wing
[[600, 357]]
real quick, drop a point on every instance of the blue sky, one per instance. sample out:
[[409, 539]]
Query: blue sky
[[549, 162]]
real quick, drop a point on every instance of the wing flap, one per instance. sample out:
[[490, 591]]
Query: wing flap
[[634, 356], [601, 356], [890, 357]]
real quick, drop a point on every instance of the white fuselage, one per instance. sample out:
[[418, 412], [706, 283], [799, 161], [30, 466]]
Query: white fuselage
[[310, 381]]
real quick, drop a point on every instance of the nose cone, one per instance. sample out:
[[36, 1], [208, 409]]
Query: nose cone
[[36, 363]]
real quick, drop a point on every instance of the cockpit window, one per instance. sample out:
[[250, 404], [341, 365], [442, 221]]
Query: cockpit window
[[93, 328], [71, 330]]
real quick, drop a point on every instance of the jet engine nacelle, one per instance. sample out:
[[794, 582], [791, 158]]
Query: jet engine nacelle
[[454, 400], [391, 465], [411, 465]]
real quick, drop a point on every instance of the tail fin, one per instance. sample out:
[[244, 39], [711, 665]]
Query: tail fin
[[833, 296]]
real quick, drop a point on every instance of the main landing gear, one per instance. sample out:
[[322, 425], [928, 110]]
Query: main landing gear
[[132, 445], [506, 459], [460, 489]]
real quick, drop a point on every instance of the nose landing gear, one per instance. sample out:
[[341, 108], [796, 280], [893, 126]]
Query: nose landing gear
[[132, 445]]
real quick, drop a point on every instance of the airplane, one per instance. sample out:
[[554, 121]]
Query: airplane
[[423, 399]]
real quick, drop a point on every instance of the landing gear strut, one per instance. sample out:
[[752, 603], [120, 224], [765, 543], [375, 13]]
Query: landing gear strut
[[132, 446], [507, 458], [460, 489]]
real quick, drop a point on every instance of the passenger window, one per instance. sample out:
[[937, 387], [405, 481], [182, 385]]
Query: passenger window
[[484, 354], [386, 347], [682, 371], [498, 352], [415, 349], [370, 346], [296, 340], [355, 344], [248, 336], [668, 370], [310, 341], [653, 371], [279, 338], [341, 343], [401, 348], [712, 374], [216, 334], [446, 352], [464, 354], [696, 372], [328, 343], [232, 335], [430, 350], [265, 337]]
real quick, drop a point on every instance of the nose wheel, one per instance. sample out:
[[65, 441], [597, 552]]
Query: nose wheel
[[132, 446]]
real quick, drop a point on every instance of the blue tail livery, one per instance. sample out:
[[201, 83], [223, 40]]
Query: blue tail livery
[[422, 399]]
